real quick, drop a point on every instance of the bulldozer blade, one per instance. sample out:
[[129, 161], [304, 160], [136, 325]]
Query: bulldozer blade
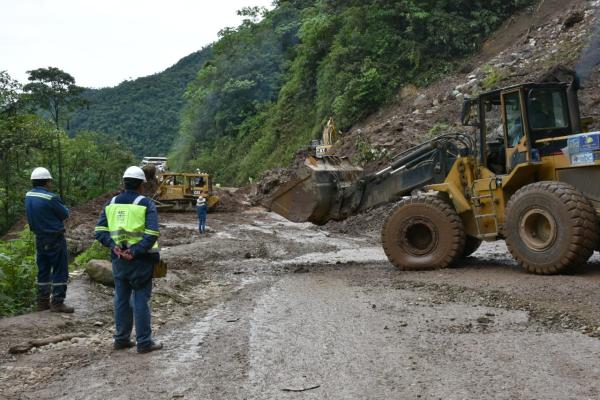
[[314, 196]]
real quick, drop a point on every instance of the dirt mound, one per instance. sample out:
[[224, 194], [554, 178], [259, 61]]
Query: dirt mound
[[232, 199], [368, 223], [82, 221], [176, 236], [269, 182]]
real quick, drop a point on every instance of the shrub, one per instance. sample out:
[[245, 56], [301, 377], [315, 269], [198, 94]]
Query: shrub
[[95, 252], [18, 273]]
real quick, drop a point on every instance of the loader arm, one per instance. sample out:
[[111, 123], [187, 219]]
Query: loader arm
[[332, 189]]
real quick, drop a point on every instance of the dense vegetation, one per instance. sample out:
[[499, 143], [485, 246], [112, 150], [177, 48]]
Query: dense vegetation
[[31, 135], [143, 114], [272, 82], [17, 275], [92, 163]]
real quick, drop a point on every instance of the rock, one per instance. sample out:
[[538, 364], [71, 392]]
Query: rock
[[573, 19], [421, 100], [100, 271], [408, 91]]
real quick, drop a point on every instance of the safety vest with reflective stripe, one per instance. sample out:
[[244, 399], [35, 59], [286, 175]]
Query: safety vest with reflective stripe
[[127, 223], [40, 195]]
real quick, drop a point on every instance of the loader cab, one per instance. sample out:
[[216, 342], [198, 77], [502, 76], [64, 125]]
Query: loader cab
[[513, 123]]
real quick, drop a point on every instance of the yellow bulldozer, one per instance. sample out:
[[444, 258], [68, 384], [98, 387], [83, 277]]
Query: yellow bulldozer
[[179, 191], [530, 176]]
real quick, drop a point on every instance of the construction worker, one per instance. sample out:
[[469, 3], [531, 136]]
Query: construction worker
[[46, 215], [128, 225], [202, 210]]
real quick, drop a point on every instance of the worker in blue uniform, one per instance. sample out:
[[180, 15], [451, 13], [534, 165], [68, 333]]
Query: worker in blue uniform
[[202, 210], [46, 215], [128, 226]]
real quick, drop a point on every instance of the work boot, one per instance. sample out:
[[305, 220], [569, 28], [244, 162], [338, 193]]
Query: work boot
[[153, 347], [62, 308], [43, 304], [123, 345]]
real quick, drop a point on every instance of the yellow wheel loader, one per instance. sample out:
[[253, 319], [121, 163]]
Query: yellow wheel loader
[[529, 177]]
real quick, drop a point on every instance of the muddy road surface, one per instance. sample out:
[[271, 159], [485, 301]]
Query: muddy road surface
[[261, 308]]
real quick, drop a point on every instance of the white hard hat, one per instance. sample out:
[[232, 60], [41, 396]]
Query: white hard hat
[[201, 200], [40, 173], [135, 173]]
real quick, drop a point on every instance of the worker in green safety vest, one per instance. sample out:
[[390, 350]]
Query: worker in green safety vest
[[128, 225]]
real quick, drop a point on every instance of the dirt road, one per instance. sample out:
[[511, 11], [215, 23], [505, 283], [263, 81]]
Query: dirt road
[[262, 309]]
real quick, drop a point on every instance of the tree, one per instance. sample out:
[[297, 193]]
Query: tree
[[54, 90], [9, 93]]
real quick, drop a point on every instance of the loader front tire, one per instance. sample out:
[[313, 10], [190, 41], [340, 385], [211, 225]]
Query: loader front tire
[[423, 232], [550, 227]]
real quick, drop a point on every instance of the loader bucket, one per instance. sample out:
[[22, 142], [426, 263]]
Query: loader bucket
[[315, 195]]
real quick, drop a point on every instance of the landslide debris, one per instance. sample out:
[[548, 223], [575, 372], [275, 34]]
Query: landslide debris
[[524, 49]]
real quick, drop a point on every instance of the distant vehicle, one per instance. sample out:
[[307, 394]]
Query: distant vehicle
[[159, 162]]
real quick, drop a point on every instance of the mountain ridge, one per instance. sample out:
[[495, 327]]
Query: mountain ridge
[[142, 113]]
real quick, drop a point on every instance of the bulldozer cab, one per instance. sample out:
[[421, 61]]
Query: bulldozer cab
[[521, 124]]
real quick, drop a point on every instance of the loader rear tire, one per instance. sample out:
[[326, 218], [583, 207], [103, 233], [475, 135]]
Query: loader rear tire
[[471, 246], [550, 228], [424, 232]]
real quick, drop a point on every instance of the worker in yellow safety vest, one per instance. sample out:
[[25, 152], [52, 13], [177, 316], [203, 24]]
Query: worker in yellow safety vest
[[128, 225]]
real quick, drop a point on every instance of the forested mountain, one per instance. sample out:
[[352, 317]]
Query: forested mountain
[[142, 113], [272, 82]]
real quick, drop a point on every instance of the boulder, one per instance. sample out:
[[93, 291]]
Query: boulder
[[100, 271], [421, 100]]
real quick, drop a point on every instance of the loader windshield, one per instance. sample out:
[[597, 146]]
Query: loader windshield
[[547, 109]]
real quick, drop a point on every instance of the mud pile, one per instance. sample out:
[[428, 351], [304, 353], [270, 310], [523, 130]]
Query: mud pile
[[232, 199], [368, 223], [82, 221], [269, 182]]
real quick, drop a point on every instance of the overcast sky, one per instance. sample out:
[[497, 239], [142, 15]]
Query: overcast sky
[[104, 42]]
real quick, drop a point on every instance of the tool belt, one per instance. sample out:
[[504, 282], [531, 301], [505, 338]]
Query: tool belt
[[160, 270]]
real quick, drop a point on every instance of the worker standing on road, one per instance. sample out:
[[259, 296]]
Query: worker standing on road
[[202, 210], [128, 225], [46, 215]]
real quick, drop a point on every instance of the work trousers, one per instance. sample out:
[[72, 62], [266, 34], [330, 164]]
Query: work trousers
[[132, 305], [53, 267], [201, 218]]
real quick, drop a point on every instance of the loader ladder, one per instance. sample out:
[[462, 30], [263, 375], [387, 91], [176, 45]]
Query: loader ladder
[[478, 205]]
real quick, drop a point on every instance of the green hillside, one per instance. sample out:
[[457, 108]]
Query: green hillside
[[271, 85], [143, 113]]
